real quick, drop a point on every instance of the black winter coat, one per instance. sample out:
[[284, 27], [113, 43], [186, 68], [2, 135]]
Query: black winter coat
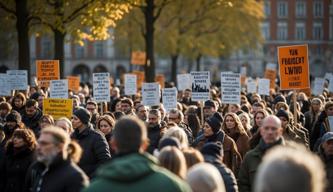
[[154, 135], [61, 176], [95, 149], [33, 122], [15, 167]]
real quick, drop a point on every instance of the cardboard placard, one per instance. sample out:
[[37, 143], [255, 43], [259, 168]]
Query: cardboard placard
[[73, 83], [130, 84], [140, 78], [160, 78], [138, 58], [47, 70], [4, 88], [318, 86], [58, 107], [271, 75], [18, 79], [251, 86], [151, 94], [294, 67], [59, 89], [169, 98], [184, 81], [230, 88], [263, 86], [101, 87], [200, 85]]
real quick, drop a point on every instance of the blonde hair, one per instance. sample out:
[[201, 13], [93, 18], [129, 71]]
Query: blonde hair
[[247, 117], [178, 133], [173, 159], [192, 157], [290, 168], [239, 126]]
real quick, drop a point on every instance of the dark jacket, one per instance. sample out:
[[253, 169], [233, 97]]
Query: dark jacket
[[228, 176], [136, 172], [188, 132], [62, 175], [95, 149], [319, 129], [15, 166], [328, 162], [154, 136], [33, 122], [251, 163], [9, 132]]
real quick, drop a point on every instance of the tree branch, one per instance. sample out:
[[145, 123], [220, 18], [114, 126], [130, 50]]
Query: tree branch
[[159, 10], [76, 12], [4, 7]]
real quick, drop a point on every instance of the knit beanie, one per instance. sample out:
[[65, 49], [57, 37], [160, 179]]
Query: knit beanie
[[83, 114], [283, 113], [279, 98], [214, 123], [212, 149], [169, 141], [13, 116]]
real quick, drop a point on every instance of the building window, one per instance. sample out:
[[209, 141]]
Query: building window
[[300, 31], [79, 51], [99, 49], [282, 32], [282, 9], [265, 31], [318, 8], [300, 9], [318, 31], [267, 8], [46, 48]]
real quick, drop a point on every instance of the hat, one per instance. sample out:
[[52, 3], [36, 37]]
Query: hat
[[282, 113], [13, 116], [279, 98], [326, 137], [169, 141], [35, 96], [214, 123], [83, 114], [212, 149], [218, 116], [210, 103]]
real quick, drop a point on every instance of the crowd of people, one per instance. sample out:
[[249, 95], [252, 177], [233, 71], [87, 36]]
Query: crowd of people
[[263, 144]]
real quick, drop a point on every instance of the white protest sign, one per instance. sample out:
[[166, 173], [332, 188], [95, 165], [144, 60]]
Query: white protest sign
[[200, 85], [59, 89], [330, 121], [101, 87], [169, 98], [252, 86], [243, 71], [330, 86], [184, 81], [130, 84], [230, 88], [263, 86], [328, 76], [150, 94], [18, 79], [4, 88], [318, 86], [271, 66]]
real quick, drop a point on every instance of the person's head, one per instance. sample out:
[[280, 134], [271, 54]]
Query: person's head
[[204, 177], [176, 116], [31, 107], [54, 141], [40, 99], [209, 108], [329, 108], [46, 120], [115, 92], [5, 109], [92, 107], [211, 126], [105, 124], [65, 124], [212, 152], [290, 169], [76, 101], [258, 117], [129, 136], [281, 105], [192, 157], [316, 105], [178, 133], [244, 100], [142, 112], [81, 117], [154, 118], [271, 129], [19, 100], [257, 106], [13, 119], [173, 159], [233, 124], [245, 120], [233, 108], [284, 117], [327, 144], [23, 138], [187, 93], [82, 98], [126, 105]]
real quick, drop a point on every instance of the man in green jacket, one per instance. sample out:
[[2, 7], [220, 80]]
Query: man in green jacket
[[271, 135], [132, 169]]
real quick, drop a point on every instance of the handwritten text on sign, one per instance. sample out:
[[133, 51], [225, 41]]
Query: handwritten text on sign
[[47, 70]]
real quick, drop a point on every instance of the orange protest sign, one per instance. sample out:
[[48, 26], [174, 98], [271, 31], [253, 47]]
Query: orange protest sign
[[47, 70], [140, 78], [271, 75], [160, 78], [294, 67], [138, 58], [73, 83]]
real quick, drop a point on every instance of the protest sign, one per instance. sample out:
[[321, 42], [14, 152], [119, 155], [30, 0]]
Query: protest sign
[[330, 86], [184, 81], [138, 58], [59, 89], [252, 86], [47, 70], [140, 78], [330, 122], [4, 88], [73, 83], [18, 79], [270, 73], [200, 85], [318, 86], [151, 94], [294, 67], [328, 76], [159, 78], [230, 88], [263, 86], [130, 84], [101, 87], [58, 107], [271, 66], [169, 98]]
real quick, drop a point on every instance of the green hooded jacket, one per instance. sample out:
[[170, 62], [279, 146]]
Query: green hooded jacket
[[136, 172]]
